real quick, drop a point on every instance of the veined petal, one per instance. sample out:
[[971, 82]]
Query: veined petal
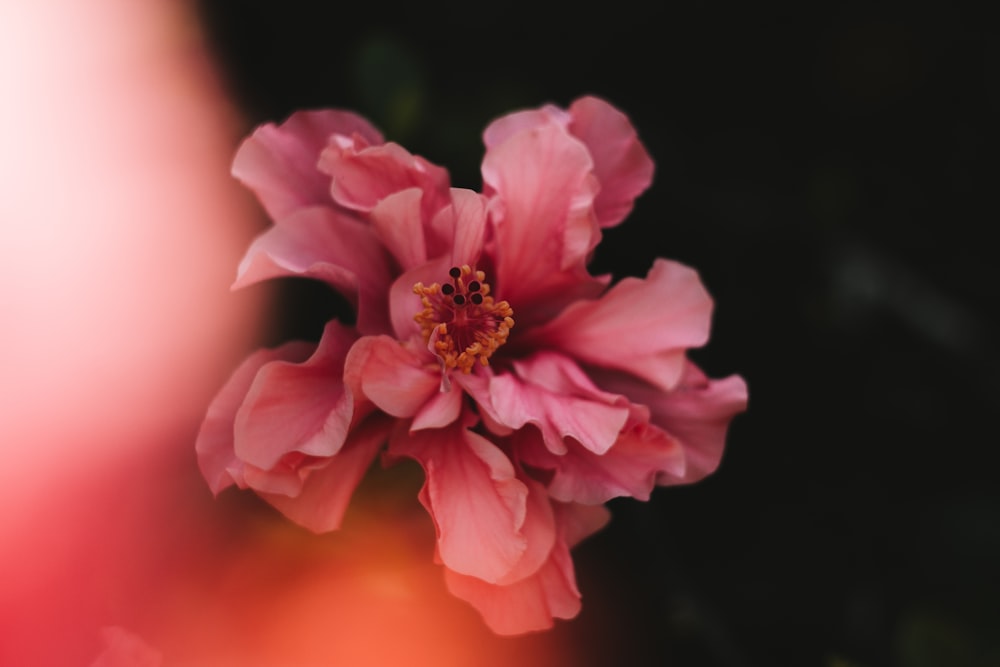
[[214, 445], [327, 245], [327, 490], [550, 392], [640, 326], [541, 209], [621, 162], [278, 162], [359, 179], [471, 492], [297, 407]]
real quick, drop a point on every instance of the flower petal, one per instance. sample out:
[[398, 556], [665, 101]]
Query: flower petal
[[398, 223], [551, 392], [532, 603], [477, 504], [404, 304], [278, 162], [639, 326], [391, 376], [442, 409], [326, 492], [214, 445], [621, 162], [458, 229], [510, 124], [697, 413], [330, 246], [359, 179], [632, 467], [541, 208], [297, 407]]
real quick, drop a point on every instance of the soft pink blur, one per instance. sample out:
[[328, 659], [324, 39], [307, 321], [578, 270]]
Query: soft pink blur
[[120, 228]]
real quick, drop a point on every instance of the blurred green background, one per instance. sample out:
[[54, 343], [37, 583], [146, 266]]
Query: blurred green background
[[831, 173]]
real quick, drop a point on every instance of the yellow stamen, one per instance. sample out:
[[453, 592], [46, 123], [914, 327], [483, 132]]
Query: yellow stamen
[[465, 322]]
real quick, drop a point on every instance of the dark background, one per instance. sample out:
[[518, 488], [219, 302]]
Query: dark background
[[831, 175]]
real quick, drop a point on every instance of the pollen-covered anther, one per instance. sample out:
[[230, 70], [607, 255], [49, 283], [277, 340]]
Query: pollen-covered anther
[[461, 321]]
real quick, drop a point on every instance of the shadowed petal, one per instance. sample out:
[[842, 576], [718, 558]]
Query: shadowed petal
[[327, 245], [278, 162], [214, 445], [297, 407], [471, 492], [326, 492], [639, 326]]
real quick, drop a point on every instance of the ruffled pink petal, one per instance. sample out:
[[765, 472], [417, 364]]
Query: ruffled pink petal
[[360, 179], [632, 467], [278, 162], [549, 391], [621, 162], [639, 326], [324, 244], [541, 209], [297, 407], [393, 377], [214, 445], [697, 413], [471, 492], [327, 490], [531, 604]]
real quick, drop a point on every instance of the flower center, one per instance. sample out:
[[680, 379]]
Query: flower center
[[462, 320]]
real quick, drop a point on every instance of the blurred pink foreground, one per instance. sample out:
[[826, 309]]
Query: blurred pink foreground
[[119, 230]]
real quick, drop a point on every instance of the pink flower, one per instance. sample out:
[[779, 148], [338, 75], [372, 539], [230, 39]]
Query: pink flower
[[530, 391]]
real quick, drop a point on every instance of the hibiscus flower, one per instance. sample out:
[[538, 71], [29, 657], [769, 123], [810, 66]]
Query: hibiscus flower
[[530, 391]]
